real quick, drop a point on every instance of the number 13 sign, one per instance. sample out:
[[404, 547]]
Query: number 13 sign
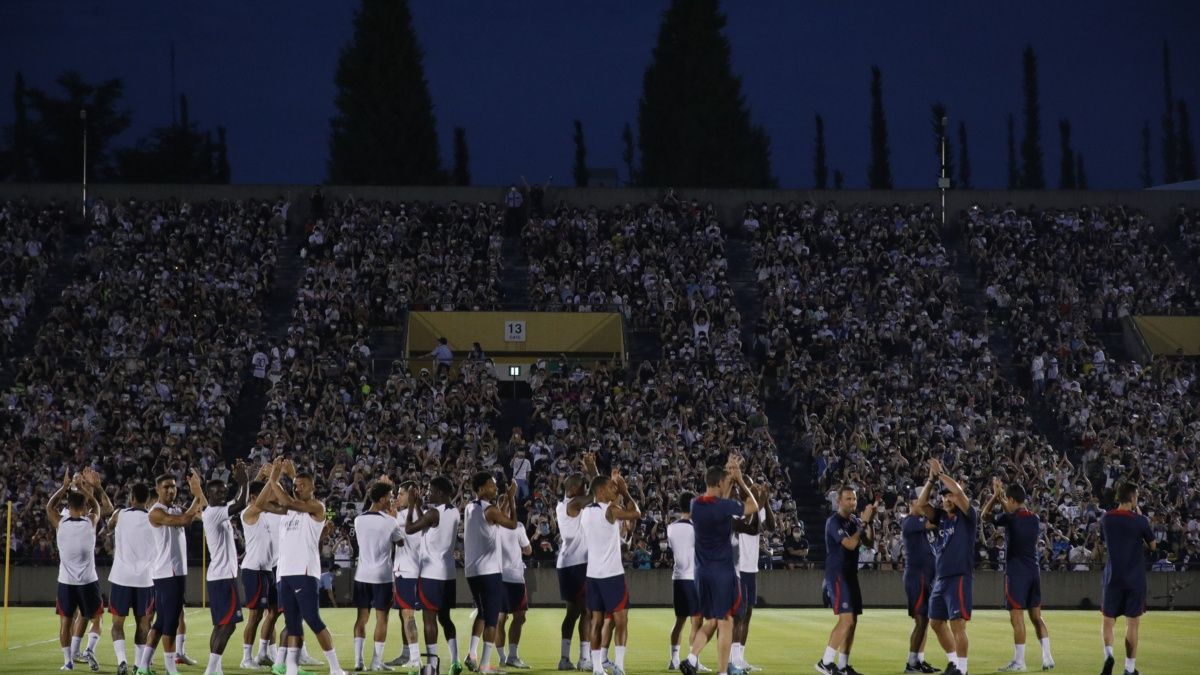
[[514, 331]]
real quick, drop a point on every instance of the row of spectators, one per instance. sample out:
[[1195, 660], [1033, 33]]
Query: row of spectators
[[31, 235]]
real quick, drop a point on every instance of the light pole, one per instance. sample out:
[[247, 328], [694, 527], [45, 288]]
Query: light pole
[[943, 179], [83, 120]]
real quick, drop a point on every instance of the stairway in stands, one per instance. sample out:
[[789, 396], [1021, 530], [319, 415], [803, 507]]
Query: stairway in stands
[[241, 430], [514, 276]]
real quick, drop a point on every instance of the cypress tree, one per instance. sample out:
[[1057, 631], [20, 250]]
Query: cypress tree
[[1032, 176], [1187, 150]]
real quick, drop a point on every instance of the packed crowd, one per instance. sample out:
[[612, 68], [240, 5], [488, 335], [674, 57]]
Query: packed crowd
[[134, 371], [30, 237]]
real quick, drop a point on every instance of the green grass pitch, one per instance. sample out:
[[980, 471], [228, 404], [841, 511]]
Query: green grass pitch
[[781, 641]]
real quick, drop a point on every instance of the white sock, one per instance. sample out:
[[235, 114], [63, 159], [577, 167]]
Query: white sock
[[674, 653], [292, 656], [246, 649], [619, 653], [735, 649], [692, 659], [75, 645], [452, 643], [379, 651], [214, 664], [512, 651], [912, 659], [952, 657], [179, 640], [486, 658], [920, 657], [169, 661], [597, 661], [565, 651], [431, 654], [68, 655], [274, 653], [332, 659], [1108, 651], [93, 640], [119, 651], [1019, 653], [414, 653], [830, 655], [145, 657], [962, 664], [358, 649], [1129, 664], [843, 659], [1046, 658], [304, 651], [585, 651], [604, 653]]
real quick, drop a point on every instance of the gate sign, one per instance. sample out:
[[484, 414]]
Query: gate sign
[[514, 331]]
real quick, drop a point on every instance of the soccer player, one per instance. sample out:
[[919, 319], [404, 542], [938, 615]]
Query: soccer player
[[377, 532], [844, 533], [260, 528], [606, 590], [749, 533], [131, 590], [1022, 579], [514, 544], [78, 583], [572, 564], [438, 526], [224, 602], [681, 538], [716, 567], [299, 563], [957, 523], [483, 561], [169, 569], [407, 570], [1126, 534], [918, 585]]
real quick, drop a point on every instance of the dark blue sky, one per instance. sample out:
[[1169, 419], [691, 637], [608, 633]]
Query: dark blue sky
[[516, 73]]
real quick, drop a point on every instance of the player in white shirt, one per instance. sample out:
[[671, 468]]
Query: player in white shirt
[[607, 592], [406, 570], [438, 527], [483, 562], [572, 564], [299, 562], [130, 588], [681, 538], [260, 529], [376, 531], [514, 544], [169, 568], [78, 583], [82, 624], [749, 535], [225, 604]]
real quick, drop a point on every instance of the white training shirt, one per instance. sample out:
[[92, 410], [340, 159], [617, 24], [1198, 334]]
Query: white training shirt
[[218, 537], [261, 542], [481, 550], [375, 532], [748, 545], [76, 551], [409, 549], [133, 550], [170, 547], [681, 537], [299, 545], [573, 548], [603, 541], [437, 561], [512, 542]]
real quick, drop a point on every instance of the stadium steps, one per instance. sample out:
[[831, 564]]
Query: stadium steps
[[810, 501], [387, 345], [744, 282], [514, 277], [56, 280], [643, 345]]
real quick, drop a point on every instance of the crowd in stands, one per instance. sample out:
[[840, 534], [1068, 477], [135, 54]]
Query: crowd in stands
[[30, 237]]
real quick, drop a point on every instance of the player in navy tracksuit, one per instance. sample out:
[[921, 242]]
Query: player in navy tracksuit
[[1126, 534], [1022, 579], [918, 584], [844, 532], [950, 601]]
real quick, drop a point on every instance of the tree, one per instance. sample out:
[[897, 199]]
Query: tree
[[1080, 174], [627, 154], [694, 127], [937, 114], [384, 131], [1187, 150], [879, 175], [177, 153], [820, 168], [580, 171], [1147, 177], [1066, 174], [1032, 177], [964, 161], [838, 179], [56, 131], [19, 163], [1170, 140], [1014, 174], [462, 158]]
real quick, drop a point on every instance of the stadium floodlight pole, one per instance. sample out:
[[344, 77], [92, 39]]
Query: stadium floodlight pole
[[943, 179], [83, 119]]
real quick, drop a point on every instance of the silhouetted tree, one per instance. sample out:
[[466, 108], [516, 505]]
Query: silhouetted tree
[[1032, 176], [1187, 150], [176, 153], [56, 132], [18, 164], [820, 168], [580, 171], [879, 175]]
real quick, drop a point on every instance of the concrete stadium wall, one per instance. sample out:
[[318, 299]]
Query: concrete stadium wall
[[776, 588]]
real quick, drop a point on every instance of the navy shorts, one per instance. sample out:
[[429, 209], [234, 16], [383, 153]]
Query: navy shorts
[[749, 582], [373, 596], [843, 595], [258, 587], [436, 594], [82, 597], [487, 592], [686, 599], [951, 598], [1127, 602], [572, 583], [720, 593], [917, 588], [301, 605], [125, 599], [515, 598], [607, 595], [168, 603], [1022, 591], [224, 601], [404, 594]]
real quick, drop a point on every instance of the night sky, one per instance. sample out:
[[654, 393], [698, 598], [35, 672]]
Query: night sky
[[515, 74]]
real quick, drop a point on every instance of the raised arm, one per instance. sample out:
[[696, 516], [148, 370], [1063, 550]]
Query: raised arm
[[55, 504], [765, 512], [502, 513], [922, 506], [417, 520], [956, 492], [749, 503], [242, 496], [629, 509], [104, 504]]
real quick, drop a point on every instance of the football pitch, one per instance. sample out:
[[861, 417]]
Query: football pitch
[[781, 641]]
